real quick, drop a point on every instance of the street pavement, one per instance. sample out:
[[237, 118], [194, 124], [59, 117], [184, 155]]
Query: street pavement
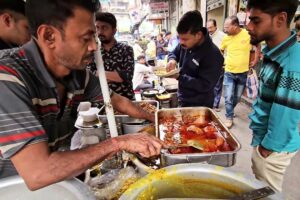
[[291, 189]]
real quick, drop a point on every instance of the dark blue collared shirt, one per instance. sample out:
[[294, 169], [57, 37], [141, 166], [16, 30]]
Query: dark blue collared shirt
[[200, 69]]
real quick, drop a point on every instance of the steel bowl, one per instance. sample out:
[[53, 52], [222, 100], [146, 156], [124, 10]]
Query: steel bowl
[[14, 188], [193, 181]]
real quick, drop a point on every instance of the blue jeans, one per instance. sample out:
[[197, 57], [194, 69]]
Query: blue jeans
[[160, 57], [218, 90], [234, 85]]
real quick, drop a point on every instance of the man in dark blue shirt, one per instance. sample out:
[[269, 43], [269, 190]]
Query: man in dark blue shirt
[[200, 62]]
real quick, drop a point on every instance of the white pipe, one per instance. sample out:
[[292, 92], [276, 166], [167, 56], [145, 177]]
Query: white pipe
[[105, 91]]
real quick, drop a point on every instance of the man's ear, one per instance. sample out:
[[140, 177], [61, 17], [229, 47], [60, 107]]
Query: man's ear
[[46, 34], [199, 35], [7, 19], [114, 31], [281, 19]]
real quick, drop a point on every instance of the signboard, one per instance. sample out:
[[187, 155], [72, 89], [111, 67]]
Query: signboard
[[213, 4], [232, 8], [159, 7]]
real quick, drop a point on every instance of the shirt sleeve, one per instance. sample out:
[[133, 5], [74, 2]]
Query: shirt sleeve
[[223, 43], [128, 65], [139, 68], [19, 124]]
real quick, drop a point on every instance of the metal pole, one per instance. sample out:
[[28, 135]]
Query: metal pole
[[105, 91]]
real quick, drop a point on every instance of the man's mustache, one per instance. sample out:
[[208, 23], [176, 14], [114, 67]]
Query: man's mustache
[[101, 36], [89, 56]]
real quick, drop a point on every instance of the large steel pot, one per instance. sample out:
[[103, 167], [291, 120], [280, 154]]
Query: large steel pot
[[14, 188], [193, 181]]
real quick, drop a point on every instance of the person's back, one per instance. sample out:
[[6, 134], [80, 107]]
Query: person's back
[[14, 30], [140, 70], [137, 50], [151, 50]]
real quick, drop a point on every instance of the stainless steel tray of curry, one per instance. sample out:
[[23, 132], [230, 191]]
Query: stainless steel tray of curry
[[180, 126]]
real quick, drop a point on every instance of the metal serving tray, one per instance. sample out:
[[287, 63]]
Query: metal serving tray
[[225, 159], [125, 118]]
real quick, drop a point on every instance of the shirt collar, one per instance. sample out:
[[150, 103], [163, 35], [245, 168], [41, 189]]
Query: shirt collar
[[116, 44], [215, 33], [207, 42], [275, 53], [37, 63], [4, 45]]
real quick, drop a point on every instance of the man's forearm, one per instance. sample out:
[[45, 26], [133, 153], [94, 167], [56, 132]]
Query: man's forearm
[[58, 166], [61, 164], [124, 105], [113, 77]]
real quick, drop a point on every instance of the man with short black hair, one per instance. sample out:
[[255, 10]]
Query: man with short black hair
[[200, 62], [14, 30], [276, 111], [118, 57], [42, 84]]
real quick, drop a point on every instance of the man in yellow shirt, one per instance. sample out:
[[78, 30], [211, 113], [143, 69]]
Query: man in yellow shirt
[[237, 46]]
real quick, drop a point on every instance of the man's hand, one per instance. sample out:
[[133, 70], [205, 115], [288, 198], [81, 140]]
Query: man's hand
[[253, 63], [113, 77], [142, 143], [176, 76], [264, 152], [171, 65]]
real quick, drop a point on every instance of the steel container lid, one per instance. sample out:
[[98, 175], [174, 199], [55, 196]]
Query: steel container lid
[[193, 181], [14, 188]]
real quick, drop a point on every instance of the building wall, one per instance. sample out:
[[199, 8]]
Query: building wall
[[173, 15], [218, 15], [188, 5]]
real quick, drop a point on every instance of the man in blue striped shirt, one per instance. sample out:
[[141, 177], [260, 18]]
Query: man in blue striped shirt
[[276, 112]]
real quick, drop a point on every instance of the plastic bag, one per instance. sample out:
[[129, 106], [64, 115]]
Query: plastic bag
[[252, 84], [111, 185]]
